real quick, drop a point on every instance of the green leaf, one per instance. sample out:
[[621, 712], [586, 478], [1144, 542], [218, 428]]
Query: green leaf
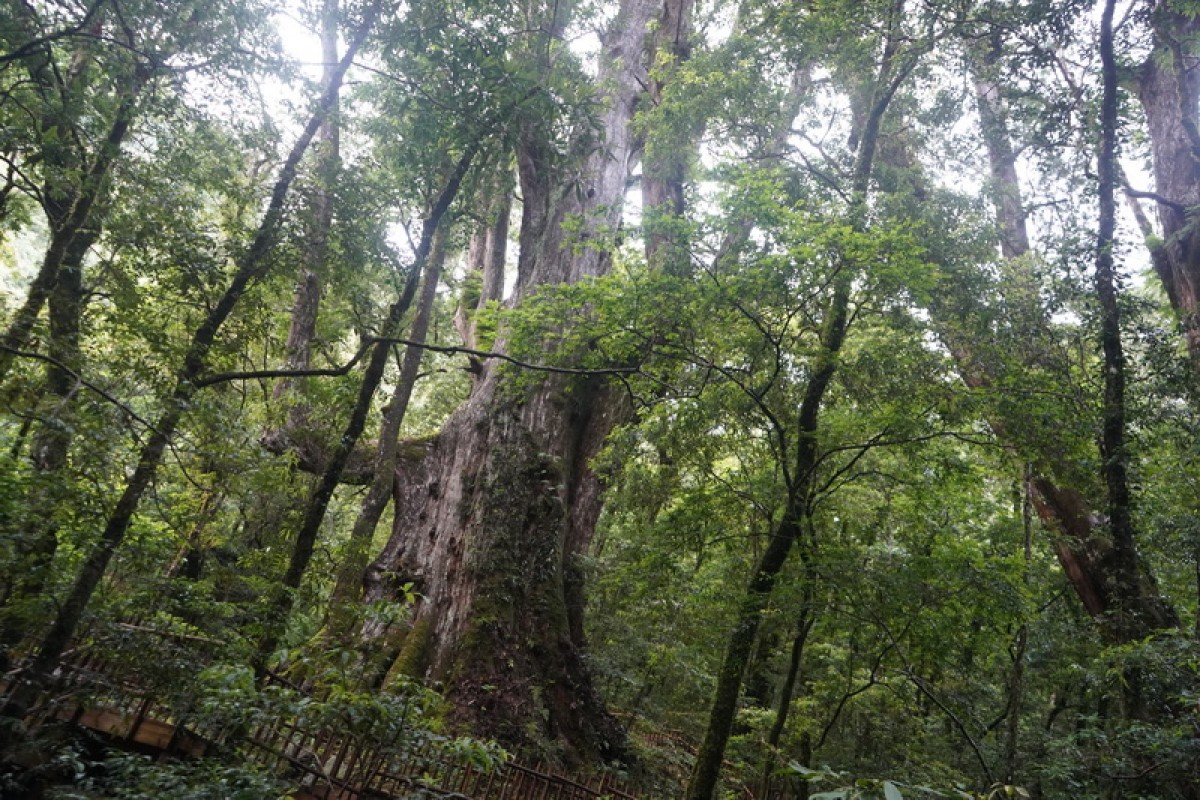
[[891, 792]]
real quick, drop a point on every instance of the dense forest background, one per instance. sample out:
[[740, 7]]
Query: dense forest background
[[750, 399]]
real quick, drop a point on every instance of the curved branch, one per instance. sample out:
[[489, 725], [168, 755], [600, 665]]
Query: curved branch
[[82, 382], [368, 342], [1156, 197], [71, 30]]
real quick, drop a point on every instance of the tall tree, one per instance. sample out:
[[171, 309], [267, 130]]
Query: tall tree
[[1105, 580], [801, 446], [492, 516], [1168, 86], [250, 267], [89, 82], [306, 301]]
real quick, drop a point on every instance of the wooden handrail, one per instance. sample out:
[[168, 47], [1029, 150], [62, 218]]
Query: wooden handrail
[[337, 759]]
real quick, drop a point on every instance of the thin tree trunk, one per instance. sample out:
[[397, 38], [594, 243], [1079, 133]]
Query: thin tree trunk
[[74, 229], [318, 503], [1080, 547], [51, 443], [306, 301], [703, 782], [250, 267], [787, 692], [347, 590], [1113, 448], [1016, 678]]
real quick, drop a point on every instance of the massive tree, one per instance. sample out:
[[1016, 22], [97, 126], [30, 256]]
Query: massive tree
[[493, 512], [828, 349]]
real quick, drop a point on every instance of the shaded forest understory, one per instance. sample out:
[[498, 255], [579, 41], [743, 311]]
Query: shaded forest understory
[[702, 400]]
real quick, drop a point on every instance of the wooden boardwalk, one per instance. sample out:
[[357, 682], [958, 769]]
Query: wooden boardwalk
[[324, 764]]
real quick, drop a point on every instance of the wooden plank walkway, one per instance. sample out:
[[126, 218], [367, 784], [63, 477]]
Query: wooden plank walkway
[[326, 764]]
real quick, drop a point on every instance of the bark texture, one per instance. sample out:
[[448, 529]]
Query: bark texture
[[486, 258], [491, 515], [1168, 87], [1112, 448]]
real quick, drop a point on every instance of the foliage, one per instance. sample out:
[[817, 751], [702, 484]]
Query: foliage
[[926, 626]]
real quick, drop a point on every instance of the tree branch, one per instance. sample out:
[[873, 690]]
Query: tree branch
[[1155, 196], [71, 30], [82, 382], [225, 377]]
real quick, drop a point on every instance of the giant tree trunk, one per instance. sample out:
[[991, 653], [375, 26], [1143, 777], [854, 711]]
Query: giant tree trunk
[[1169, 89], [490, 519]]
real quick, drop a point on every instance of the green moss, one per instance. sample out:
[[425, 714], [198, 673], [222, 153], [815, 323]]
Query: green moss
[[414, 654], [414, 450]]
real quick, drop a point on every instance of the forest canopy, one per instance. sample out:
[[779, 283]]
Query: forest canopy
[[726, 399]]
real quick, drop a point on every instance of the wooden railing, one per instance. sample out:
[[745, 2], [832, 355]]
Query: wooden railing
[[328, 764]]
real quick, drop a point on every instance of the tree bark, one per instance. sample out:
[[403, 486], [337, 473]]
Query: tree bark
[[1005, 185], [1168, 85], [667, 158], [492, 514], [331, 477], [486, 257], [1113, 450], [1016, 677], [786, 692]]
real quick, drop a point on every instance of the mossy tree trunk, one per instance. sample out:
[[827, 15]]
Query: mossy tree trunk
[[493, 514]]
